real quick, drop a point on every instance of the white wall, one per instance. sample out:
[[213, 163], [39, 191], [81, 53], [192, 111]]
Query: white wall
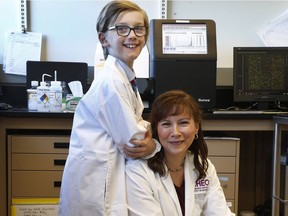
[[8, 21], [237, 22], [69, 34], [69, 27]]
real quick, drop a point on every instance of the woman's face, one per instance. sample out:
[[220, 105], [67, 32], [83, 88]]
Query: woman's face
[[176, 133], [125, 48]]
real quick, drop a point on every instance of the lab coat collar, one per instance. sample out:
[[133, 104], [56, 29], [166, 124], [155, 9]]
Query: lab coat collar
[[190, 177], [129, 72], [169, 186], [126, 73]]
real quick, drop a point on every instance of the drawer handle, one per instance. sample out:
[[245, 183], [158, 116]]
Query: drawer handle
[[61, 145], [59, 162], [57, 184], [225, 186]]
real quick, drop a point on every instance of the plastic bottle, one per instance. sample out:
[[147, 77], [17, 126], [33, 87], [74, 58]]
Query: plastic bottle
[[55, 95], [32, 96], [43, 96], [64, 94]]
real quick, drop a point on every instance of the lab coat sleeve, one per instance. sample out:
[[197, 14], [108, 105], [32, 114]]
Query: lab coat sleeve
[[119, 120], [158, 146], [140, 199], [215, 199]]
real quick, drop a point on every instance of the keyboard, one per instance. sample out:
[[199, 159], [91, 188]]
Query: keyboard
[[268, 112]]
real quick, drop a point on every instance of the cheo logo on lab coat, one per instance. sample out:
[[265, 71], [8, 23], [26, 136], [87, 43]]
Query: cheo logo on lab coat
[[202, 186]]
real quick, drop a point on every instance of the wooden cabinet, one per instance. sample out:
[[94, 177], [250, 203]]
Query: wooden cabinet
[[224, 154], [35, 165], [256, 144], [36, 162]]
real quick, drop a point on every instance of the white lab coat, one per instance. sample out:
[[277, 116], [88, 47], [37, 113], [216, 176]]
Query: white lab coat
[[153, 195], [105, 119]]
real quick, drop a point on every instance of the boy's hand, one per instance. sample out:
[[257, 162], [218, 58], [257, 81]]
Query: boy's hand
[[142, 147]]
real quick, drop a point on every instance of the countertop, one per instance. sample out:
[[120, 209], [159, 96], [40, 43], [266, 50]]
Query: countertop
[[25, 113]]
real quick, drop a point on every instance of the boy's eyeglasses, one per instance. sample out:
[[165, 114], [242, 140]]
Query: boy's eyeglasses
[[123, 30]]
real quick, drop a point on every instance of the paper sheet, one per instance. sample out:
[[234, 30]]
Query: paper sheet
[[275, 33], [18, 48], [32, 210]]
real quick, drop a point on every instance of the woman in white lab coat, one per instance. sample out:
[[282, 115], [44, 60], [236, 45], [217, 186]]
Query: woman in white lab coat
[[107, 118], [179, 180]]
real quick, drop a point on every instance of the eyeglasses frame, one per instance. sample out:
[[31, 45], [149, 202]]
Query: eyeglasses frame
[[130, 28]]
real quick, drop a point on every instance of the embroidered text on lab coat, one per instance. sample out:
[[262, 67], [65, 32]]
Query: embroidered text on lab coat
[[202, 186]]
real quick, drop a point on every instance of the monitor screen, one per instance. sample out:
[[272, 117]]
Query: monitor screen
[[260, 74], [172, 39], [184, 38]]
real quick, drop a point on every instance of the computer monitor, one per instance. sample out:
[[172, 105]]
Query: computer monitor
[[260, 75], [184, 39], [183, 55]]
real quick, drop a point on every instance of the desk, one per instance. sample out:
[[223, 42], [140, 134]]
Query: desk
[[281, 123], [255, 132]]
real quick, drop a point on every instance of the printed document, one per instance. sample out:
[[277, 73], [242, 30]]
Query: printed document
[[18, 48], [275, 33]]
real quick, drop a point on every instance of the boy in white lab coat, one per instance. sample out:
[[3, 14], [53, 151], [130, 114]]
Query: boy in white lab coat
[[107, 118]]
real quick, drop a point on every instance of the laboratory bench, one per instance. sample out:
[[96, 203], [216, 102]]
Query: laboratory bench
[[21, 158]]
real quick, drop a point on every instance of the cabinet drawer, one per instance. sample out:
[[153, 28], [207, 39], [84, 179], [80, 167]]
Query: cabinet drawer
[[224, 164], [40, 144], [38, 161], [221, 147], [36, 183], [227, 182]]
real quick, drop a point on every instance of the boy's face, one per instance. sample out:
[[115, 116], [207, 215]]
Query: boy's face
[[125, 48]]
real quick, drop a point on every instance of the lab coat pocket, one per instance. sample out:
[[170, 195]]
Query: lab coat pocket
[[199, 203], [93, 171], [118, 210]]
